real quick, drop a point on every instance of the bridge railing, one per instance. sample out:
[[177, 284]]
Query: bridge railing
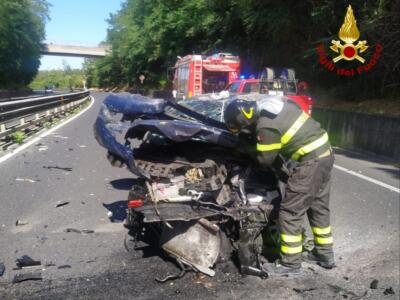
[[28, 115]]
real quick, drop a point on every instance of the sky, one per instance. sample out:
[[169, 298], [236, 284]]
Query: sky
[[82, 22]]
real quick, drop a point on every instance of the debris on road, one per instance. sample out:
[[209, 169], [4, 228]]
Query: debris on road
[[43, 148], [82, 146], [70, 149], [301, 291], [21, 223], [389, 291], [64, 267], [61, 137], [84, 231], [27, 276], [2, 268], [26, 261], [61, 204], [374, 284], [339, 290], [68, 169], [72, 230], [25, 179], [50, 264]]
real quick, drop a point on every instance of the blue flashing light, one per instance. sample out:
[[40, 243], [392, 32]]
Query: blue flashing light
[[242, 77]]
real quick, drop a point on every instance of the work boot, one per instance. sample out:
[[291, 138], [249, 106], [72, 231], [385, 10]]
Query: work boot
[[314, 258], [277, 269]]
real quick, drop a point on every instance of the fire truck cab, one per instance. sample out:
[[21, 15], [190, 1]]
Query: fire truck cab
[[197, 74]]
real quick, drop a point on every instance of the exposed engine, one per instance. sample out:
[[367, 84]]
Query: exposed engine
[[195, 202]]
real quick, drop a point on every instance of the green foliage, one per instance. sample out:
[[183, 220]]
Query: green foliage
[[146, 36], [22, 31], [60, 79], [18, 137]]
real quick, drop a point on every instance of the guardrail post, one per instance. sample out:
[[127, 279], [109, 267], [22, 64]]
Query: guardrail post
[[2, 128], [36, 116], [22, 121]]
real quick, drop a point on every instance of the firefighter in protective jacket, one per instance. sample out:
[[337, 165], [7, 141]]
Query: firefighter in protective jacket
[[282, 128]]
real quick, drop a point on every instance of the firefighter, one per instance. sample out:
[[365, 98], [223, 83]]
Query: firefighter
[[282, 130]]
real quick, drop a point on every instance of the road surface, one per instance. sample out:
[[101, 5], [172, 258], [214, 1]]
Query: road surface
[[68, 165]]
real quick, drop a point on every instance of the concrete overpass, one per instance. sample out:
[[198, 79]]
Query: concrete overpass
[[74, 51]]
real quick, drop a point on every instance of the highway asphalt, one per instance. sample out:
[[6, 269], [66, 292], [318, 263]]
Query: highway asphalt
[[69, 166]]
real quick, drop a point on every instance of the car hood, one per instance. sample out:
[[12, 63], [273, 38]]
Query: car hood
[[124, 116]]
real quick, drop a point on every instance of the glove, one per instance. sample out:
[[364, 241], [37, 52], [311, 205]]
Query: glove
[[280, 168], [115, 160]]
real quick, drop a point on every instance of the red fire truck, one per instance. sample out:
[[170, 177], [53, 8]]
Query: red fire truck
[[196, 74]]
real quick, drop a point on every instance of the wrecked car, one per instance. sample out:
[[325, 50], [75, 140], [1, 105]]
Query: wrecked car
[[197, 194]]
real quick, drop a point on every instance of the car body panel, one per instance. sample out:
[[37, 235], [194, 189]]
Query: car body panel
[[141, 115]]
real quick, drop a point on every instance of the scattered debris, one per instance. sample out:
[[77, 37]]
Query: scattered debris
[[83, 202], [301, 291], [389, 291], [311, 269], [82, 146], [61, 137], [346, 278], [60, 204], [72, 230], [339, 290], [25, 179], [27, 276], [43, 239], [374, 284], [70, 149], [84, 231], [64, 267], [21, 223], [2, 268], [43, 148], [68, 169], [202, 280], [25, 262], [50, 264]]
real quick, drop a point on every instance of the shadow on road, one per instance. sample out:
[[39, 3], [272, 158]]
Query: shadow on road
[[123, 184], [393, 165], [118, 210], [395, 173]]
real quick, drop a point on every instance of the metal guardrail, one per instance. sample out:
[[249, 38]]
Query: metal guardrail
[[30, 114]]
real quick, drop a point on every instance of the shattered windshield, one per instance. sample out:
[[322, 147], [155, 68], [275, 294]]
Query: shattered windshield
[[205, 105]]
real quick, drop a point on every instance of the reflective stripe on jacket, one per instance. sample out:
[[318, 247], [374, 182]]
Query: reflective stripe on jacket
[[291, 132]]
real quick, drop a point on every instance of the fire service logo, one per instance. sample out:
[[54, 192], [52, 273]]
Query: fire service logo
[[348, 51]]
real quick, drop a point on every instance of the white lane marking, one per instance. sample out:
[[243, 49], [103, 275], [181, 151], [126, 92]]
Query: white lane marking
[[382, 184], [36, 139]]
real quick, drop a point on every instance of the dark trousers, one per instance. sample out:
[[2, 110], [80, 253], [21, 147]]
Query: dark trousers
[[307, 191]]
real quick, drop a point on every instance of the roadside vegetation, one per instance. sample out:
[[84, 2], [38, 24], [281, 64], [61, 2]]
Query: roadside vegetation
[[22, 32], [65, 78], [147, 36]]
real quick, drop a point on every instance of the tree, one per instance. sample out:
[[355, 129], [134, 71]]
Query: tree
[[22, 31], [146, 36]]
